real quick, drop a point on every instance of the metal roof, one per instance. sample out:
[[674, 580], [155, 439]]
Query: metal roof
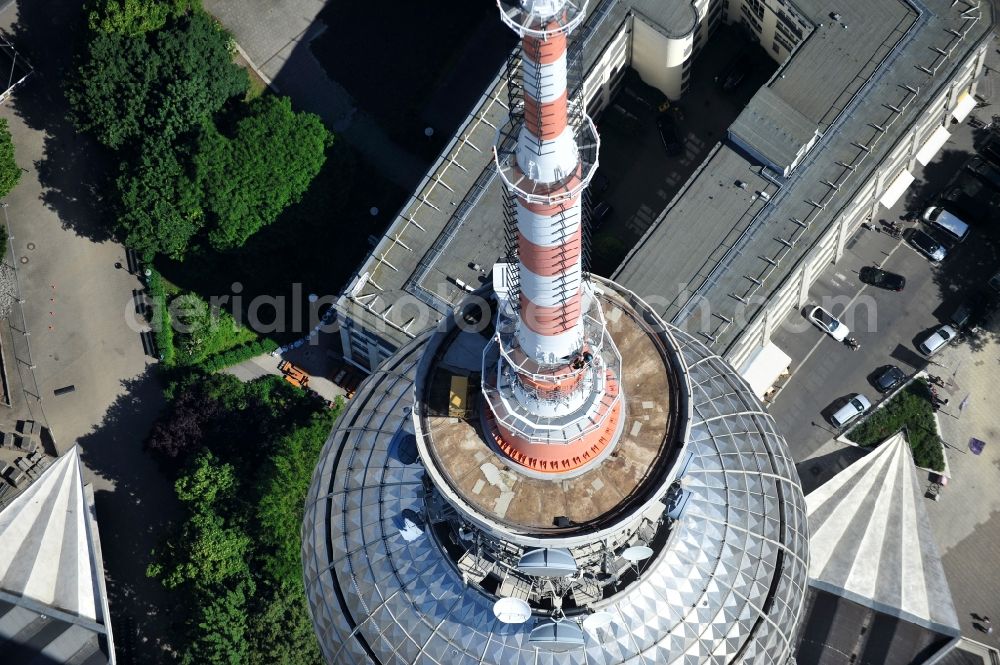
[[728, 585]]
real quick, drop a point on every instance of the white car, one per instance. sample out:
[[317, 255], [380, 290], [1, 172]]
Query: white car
[[828, 323], [937, 340], [855, 406]]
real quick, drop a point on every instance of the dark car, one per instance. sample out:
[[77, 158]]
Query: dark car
[[986, 171], [887, 378], [668, 134], [739, 68], [992, 152], [927, 245], [883, 279], [971, 311]]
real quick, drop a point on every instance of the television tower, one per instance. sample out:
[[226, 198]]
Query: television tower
[[489, 497], [553, 393]]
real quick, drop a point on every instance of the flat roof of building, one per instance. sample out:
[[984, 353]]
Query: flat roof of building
[[775, 129], [736, 282]]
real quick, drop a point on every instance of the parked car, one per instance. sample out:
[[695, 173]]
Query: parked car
[[971, 311], [856, 405], [994, 282], [947, 222], [739, 68], [828, 323], [883, 279], [927, 245], [887, 378], [991, 151], [985, 171], [668, 134], [937, 340]]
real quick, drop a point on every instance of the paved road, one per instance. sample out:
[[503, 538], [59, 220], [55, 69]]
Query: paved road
[[76, 301]]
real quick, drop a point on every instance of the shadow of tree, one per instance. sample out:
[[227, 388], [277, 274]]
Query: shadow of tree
[[135, 504], [969, 264], [73, 170]]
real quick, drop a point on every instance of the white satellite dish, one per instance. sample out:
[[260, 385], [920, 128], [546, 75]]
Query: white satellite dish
[[597, 620], [637, 553], [512, 610]]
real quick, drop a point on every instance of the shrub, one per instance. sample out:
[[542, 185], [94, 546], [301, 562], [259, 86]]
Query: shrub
[[203, 331], [239, 354], [10, 172], [910, 409], [163, 329]]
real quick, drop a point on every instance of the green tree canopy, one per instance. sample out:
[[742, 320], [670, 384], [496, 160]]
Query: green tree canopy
[[159, 203], [135, 17], [161, 84], [267, 163], [10, 172]]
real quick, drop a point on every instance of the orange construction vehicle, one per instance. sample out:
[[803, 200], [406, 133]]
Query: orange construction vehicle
[[294, 375]]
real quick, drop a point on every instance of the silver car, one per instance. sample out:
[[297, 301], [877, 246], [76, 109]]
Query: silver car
[[937, 340], [855, 406]]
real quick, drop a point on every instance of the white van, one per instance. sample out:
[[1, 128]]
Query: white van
[[954, 227]]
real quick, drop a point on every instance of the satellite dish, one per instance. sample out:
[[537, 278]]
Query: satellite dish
[[547, 563], [598, 620], [512, 610], [561, 636], [637, 553]]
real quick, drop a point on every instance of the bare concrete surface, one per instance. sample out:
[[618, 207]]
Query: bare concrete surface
[[76, 301]]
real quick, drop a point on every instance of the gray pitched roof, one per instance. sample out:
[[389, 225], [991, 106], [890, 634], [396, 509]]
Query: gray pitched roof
[[871, 541], [53, 605]]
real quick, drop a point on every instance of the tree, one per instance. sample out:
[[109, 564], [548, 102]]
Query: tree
[[135, 17], [285, 483], [161, 84], [220, 629], [159, 203], [10, 172], [267, 164]]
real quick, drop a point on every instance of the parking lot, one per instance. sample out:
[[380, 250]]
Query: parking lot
[[642, 176], [889, 325]]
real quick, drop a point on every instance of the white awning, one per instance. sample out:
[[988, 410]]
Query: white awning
[[896, 189], [933, 144], [764, 367], [963, 106]]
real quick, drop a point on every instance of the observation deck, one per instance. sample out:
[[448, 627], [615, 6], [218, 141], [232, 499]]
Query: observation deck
[[479, 478]]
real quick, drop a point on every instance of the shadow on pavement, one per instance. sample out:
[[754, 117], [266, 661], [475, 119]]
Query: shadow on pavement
[[134, 504], [72, 170], [815, 471]]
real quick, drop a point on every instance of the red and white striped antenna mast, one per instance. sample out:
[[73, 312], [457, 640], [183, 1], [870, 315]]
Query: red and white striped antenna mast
[[554, 394]]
